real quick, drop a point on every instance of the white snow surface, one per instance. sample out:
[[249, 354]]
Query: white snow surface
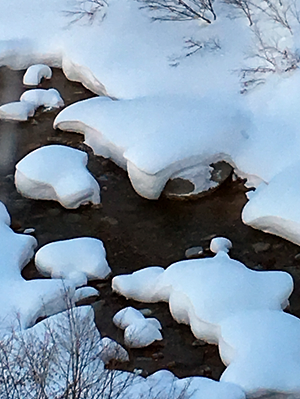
[[205, 292], [262, 351], [271, 207], [48, 98], [17, 111], [148, 136], [80, 259], [139, 331], [35, 73], [23, 302], [58, 173], [132, 59]]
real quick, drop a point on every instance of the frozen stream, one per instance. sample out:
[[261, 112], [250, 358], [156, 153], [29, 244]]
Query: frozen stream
[[136, 232]]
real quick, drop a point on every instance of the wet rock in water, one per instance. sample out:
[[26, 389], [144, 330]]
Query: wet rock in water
[[297, 257], [261, 247], [194, 252], [199, 342], [183, 188], [146, 312], [178, 187], [158, 355]]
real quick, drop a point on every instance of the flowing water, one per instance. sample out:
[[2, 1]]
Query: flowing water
[[136, 232]]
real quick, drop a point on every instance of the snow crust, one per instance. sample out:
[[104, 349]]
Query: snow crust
[[35, 73], [139, 331], [58, 173], [80, 259]]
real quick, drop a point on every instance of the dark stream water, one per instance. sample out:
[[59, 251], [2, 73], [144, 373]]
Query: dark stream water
[[136, 232]]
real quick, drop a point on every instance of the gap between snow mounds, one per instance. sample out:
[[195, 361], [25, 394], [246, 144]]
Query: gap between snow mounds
[[158, 138]]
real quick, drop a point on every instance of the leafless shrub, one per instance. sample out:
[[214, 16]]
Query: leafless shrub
[[180, 10], [272, 59], [193, 46], [244, 6], [86, 10]]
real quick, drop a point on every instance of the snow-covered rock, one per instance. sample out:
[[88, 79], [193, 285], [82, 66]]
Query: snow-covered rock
[[35, 73], [163, 384], [139, 331], [59, 173], [80, 259], [262, 352], [17, 111], [205, 292], [48, 98], [272, 207], [145, 136], [111, 350]]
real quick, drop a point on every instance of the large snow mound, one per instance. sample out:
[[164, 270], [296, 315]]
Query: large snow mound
[[205, 292], [59, 173], [262, 351], [148, 136], [80, 259], [272, 207]]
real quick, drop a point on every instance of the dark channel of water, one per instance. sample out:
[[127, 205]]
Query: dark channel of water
[[136, 232]]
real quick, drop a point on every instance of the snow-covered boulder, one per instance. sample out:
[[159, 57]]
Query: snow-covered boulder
[[111, 350], [16, 250], [35, 73], [17, 111], [262, 352], [48, 98], [139, 331], [163, 384], [205, 292], [148, 136], [59, 173], [273, 207], [79, 259]]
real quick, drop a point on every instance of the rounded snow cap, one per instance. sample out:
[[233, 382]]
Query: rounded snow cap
[[219, 244]]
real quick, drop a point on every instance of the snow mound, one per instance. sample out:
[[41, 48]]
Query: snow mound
[[111, 350], [205, 292], [262, 351], [164, 384], [35, 73], [17, 111], [41, 97], [273, 207], [220, 244], [79, 259], [145, 136], [139, 331], [59, 173]]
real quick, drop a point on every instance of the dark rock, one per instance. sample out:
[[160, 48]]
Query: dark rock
[[194, 252], [157, 356], [199, 342], [221, 171], [179, 187], [261, 247], [297, 257]]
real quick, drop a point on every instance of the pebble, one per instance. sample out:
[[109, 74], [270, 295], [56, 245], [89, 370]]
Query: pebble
[[143, 359], [109, 220], [194, 252], [30, 230], [53, 212], [158, 355], [199, 342], [146, 312], [261, 247]]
